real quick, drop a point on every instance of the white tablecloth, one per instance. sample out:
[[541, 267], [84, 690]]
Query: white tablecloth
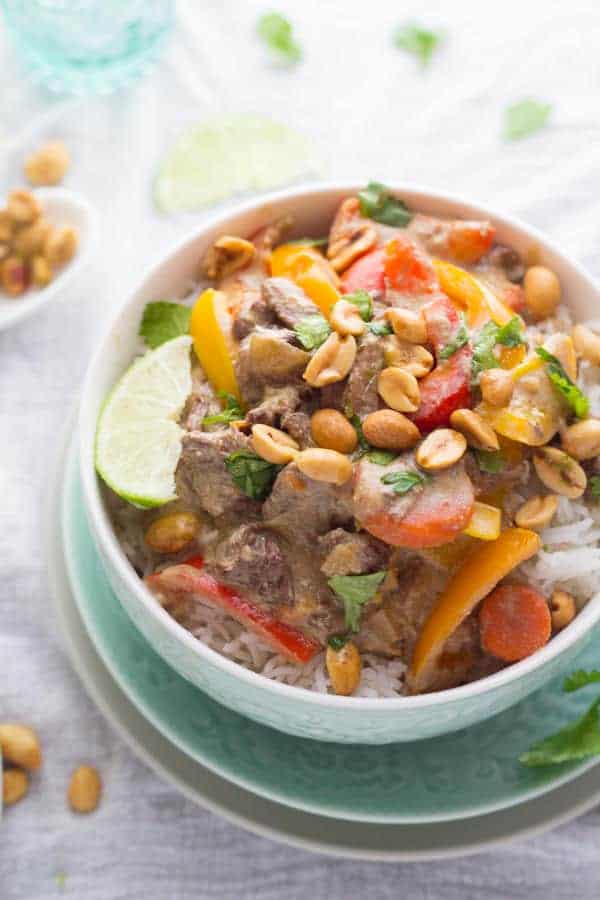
[[371, 113]]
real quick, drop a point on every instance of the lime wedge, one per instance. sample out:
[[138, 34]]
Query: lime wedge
[[230, 155], [138, 440]]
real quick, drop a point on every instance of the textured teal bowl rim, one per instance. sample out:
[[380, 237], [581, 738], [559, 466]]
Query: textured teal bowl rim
[[112, 343]]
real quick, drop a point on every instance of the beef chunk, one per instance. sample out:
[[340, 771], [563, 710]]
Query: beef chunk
[[201, 403], [298, 505], [361, 394], [289, 303], [297, 425], [253, 311], [251, 558], [346, 553], [267, 357], [276, 403], [202, 478]]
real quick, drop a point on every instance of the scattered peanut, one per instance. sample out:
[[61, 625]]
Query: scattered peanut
[[227, 255], [15, 785], [563, 349], [542, 291], [478, 433], [345, 319], [344, 667], [274, 445], [411, 357], [441, 449], [582, 440], [7, 225], [350, 235], [559, 472], [13, 276], [399, 389], [390, 430], [332, 361], [497, 387], [23, 207], [48, 165], [408, 325], [332, 430], [562, 610], [171, 533], [41, 273], [324, 465], [85, 788], [20, 745], [537, 512], [29, 240], [60, 246], [587, 344]]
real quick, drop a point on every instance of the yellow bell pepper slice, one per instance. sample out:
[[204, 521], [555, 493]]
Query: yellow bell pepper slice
[[472, 295], [307, 268], [478, 575], [531, 425], [485, 522], [510, 357], [210, 343]]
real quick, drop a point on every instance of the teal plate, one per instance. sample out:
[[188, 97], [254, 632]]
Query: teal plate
[[463, 774]]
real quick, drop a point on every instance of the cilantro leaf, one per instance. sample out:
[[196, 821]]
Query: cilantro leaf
[[459, 340], [312, 331], [575, 741], [231, 412], [483, 347], [404, 481], [574, 396], [363, 302], [377, 203], [579, 679], [337, 641], [251, 474], [162, 321], [381, 457], [511, 334], [421, 42], [594, 484], [310, 242], [354, 591], [381, 328], [490, 461], [363, 444], [524, 118], [277, 33]]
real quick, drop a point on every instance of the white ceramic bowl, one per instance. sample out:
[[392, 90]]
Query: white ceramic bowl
[[295, 710]]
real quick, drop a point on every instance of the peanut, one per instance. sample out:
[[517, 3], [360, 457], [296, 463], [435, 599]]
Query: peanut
[[559, 472], [587, 344], [274, 445], [332, 430], [85, 788], [345, 319], [23, 207], [60, 246], [537, 512], [227, 255], [478, 433], [48, 165], [324, 465], [171, 533], [542, 291], [408, 325], [14, 276], [20, 745], [390, 430], [15, 785], [399, 389], [497, 387], [411, 357], [441, 449], [562, 610], [332, 361], [344, 667], [582, 440]]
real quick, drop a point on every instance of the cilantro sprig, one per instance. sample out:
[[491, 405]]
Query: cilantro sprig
[[230, 413], [404, 481], [355, 591], [312, 331], [251, 474], [567, 388], [421, 42], [381, 328], [459, 340], [594, 485], [162, 321], [278, 34], [509, 335], [363, 302], [377, 203], [490, 461]]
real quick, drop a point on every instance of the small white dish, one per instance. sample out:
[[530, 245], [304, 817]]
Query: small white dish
[[61, 207]]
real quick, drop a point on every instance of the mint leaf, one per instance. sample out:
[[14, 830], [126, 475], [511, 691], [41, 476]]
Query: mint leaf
[[354, 591], [524, 118], [421, 42], [363, 302], [490, 461], [575, 741], [579, 679], [459, 340], [277, 33], [381, 457], [312, 331], [594, 484], [377, 203], [162, 321], [404, 481], [511, 334], [251, 474], [231, 412], [381, 328], [563, 384]]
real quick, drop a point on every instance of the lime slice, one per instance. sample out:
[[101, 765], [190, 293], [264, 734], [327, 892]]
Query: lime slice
[[138, 440], [225, 156]]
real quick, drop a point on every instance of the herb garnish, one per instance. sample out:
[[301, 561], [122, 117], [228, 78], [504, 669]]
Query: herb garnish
[[524, 118], [381, 328], [377, 203], [337, 641], [312, 331], [580, 679], [363, 302], [511, 334], [567, 388], [310, 242], [363, 444], [404, 481], [162, 321], [594, 484], [354, 591], [252, 474], [231, 412], [459, 340], [277, 33], [421, 42], [381, 457], [490, 461]]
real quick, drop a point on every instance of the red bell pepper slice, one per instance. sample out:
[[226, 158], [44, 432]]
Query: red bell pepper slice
[[187, 579], [366, 274], [407, 269]]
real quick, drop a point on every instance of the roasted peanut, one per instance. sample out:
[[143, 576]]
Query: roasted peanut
[[562, 610], [332, 430], [441, 449], [345, 319], [344, 667], [23, 207], [29, 241], [20, 745], [85, 788], [7, 225], [587, 344], [15, 785], [274, 445], [41, 273], [14, 276], [582, 440], [478, 433], [399, 389], [171, 533], [497, 387], [542, 291], [411, 357], [559, 472], [332, 361], [48, 165], [563, 349], [408, 325], [390, 430], [324, 465], [537, 512], [60, 246], [227, 255], [351, 236]]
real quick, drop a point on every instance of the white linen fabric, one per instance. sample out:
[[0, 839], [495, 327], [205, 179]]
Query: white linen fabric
[[372, 114]]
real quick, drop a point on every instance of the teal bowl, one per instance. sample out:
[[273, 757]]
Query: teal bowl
[[291, 709]]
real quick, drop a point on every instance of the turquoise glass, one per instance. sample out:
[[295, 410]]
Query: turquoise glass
[[87, 46]]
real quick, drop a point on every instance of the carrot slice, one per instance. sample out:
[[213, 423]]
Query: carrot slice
[[514, 622]]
